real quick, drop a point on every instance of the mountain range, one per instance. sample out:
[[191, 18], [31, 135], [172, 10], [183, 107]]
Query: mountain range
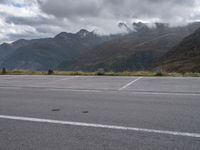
[[141, 48], [41, 54]]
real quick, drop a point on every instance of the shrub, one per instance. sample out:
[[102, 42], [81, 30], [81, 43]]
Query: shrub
[[159, 74], [4, 71], [50, 72], [100, 72]]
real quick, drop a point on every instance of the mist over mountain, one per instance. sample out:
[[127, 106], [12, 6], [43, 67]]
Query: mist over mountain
[[138, 49]]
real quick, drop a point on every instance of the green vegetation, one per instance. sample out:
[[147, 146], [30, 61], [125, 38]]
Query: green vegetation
[[22, 72], [125, 73]]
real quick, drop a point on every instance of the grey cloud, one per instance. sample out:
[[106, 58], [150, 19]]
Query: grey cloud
[[54, 16], [167, 10], [63, 8], [26, 20], [28, 36], [4, 1], [34, 21]]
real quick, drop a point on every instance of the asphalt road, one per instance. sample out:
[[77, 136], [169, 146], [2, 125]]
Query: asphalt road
[[97, 113]]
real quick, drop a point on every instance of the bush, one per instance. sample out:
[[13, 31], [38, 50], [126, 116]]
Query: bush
[[50, 72], [159, 74], [4, 71], [100, 72]]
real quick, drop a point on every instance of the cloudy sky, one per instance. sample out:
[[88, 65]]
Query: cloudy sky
[[45, 18]]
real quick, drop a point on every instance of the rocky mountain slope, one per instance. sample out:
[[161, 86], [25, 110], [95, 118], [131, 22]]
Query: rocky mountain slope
[[185, 57]]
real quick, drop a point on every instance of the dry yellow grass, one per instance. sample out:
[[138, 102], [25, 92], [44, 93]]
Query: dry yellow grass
[[125, 73]]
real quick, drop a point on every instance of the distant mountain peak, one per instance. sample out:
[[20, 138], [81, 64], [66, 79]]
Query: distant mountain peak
[[123, 26], [63, 35], [80, 34], [83, 33], [20, 41], [140, 26]]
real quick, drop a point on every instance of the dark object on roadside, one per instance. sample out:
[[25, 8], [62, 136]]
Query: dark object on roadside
[[4, 71], [101, 72], [159, 73], [50, 72], [55, 109], [85, 112]]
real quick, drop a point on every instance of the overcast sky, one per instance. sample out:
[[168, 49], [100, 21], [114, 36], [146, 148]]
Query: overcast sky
[[45, 18]]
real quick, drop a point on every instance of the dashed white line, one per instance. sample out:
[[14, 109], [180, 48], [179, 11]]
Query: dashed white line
[[128, 84], [82, 124]]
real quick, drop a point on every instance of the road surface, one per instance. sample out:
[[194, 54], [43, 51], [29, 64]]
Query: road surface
[[97, 113]]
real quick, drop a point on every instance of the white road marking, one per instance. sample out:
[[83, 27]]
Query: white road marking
[[74, 90], [14, 77], [128, 84], [52, 89], [64, 79], [100, 90], [165, 93], [55, 81], [82, 124]]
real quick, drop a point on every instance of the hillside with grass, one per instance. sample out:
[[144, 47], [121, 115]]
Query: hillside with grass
[[185, 57]]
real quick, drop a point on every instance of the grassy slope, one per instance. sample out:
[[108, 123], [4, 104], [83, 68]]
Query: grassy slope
[[185, 57]]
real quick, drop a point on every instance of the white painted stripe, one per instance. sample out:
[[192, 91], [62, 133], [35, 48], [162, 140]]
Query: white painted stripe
[[52, 89], [82, 124], [165, 93], [128, 84], [101, 91], [55, 81], [68, 78], [14, 77], [73, 90]]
